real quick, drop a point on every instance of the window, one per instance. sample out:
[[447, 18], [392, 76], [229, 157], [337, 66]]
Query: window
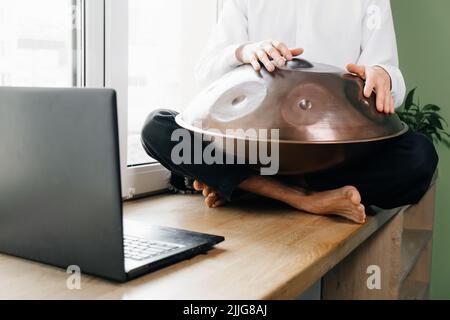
[[40, 43], [161, 59], [154, 69], [141, 48]]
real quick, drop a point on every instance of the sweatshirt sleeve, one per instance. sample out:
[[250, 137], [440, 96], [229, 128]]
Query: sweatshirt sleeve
[[228, 35], [379, 44]]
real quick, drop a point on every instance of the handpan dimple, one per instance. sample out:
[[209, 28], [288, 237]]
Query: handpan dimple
[[320, 111], [305, 104], [237, 102]]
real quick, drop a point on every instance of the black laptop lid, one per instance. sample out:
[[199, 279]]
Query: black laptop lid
[[60, 194]]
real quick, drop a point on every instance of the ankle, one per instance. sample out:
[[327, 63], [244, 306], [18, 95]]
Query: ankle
[[294, 196]]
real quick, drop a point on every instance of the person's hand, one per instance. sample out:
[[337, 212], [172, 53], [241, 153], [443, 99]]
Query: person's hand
[[268, 52], [378, 80]]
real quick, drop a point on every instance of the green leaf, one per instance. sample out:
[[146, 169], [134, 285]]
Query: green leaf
[[442, 119], [409, 102], [430, 127], [446, 143], [438, 137], [419, 118], [434, 114], [435, 121], [426, 119], [431, 107], [414, 108], [427, 129], [429, 136]]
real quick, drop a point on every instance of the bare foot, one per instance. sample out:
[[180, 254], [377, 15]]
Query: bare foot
[[344, 202], [212, 198]]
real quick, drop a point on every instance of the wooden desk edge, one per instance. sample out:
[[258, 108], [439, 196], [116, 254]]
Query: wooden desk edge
[[291, 289]]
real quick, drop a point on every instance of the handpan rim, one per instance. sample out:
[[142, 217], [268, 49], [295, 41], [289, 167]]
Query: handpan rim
[[179, 120]]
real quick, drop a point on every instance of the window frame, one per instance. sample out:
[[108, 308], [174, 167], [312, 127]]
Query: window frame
[[106, 65], [77, 52]]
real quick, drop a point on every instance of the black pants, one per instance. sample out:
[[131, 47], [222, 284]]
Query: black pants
[[398, 174]]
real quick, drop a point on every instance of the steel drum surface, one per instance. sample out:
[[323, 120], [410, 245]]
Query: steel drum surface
[[322, 116]]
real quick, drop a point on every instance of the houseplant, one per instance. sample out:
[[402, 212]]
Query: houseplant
[[425, 119]]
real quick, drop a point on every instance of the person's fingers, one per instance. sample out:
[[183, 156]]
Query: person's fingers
[[368, 88], [255, 63], [392, 104], [297, 51], [358, 70], [275, 55], [352, 68], [387, 102], [381, 95], [262, 56], [281, 47]]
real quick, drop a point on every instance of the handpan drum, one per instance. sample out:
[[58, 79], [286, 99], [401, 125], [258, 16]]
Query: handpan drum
[[322, 116]]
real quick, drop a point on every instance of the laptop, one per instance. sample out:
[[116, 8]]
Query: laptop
[[60, 188]]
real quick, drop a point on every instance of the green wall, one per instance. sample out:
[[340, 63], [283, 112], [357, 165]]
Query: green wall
[[423, 36]]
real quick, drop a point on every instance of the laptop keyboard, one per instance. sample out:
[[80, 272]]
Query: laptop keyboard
[[141, 249]]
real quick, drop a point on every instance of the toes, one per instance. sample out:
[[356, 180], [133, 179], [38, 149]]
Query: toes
[[362, 209], [213, 195], [357, 214], [219, 203], [207, 191], [361, 214], [212, 199], [364, 217], [208, 202], [198, 185], [358, 219]]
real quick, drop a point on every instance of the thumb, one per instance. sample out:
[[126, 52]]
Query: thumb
[[358, 70]]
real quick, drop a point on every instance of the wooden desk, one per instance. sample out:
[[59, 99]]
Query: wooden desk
[[271, 252]]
